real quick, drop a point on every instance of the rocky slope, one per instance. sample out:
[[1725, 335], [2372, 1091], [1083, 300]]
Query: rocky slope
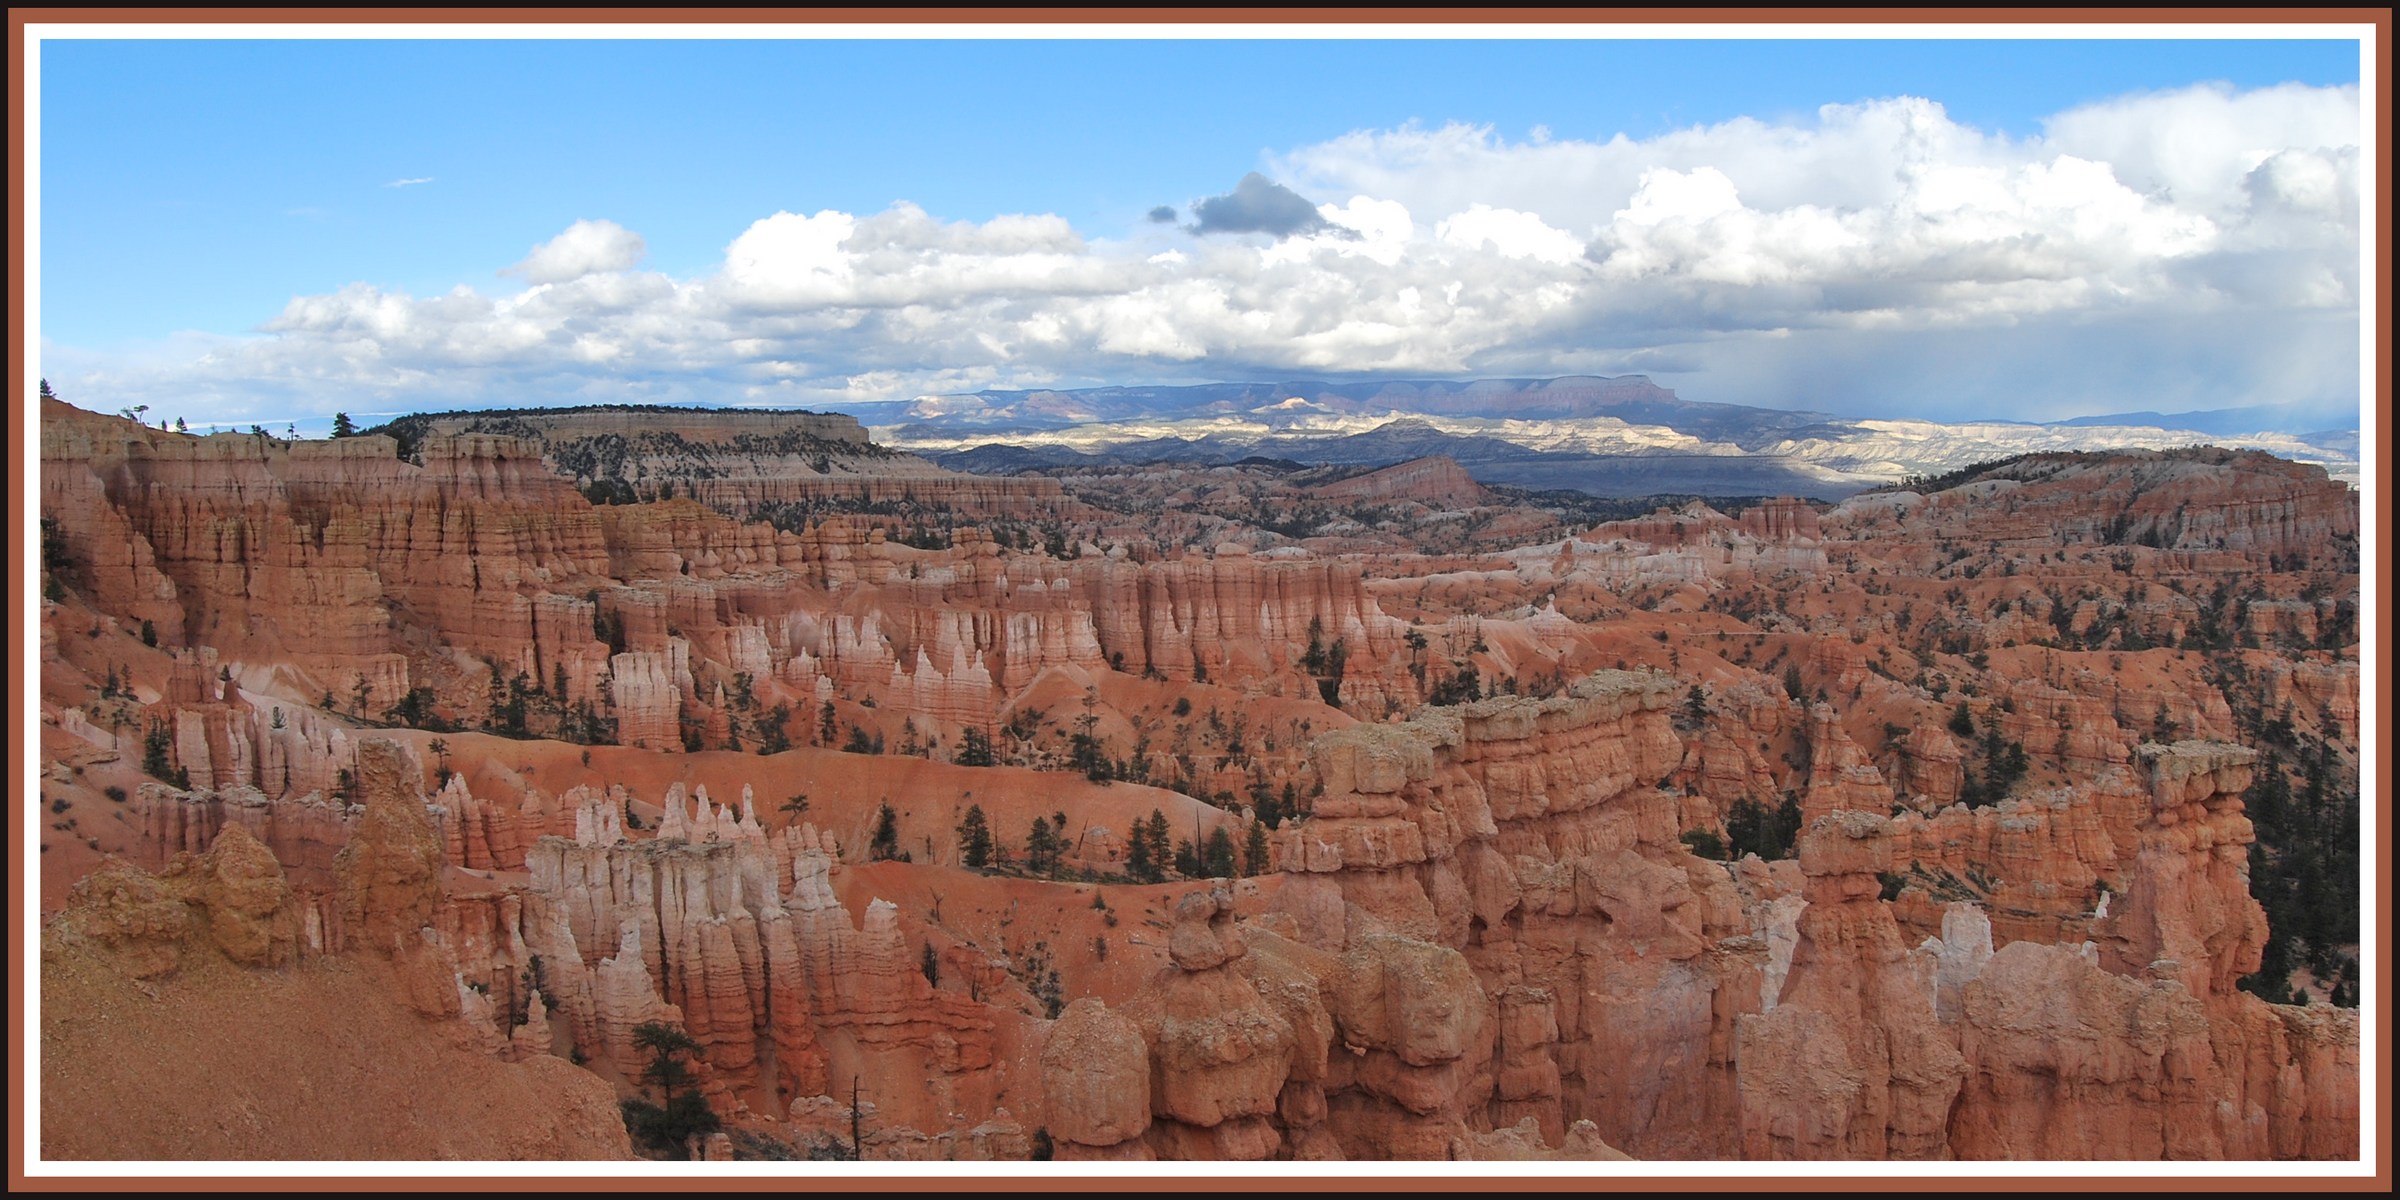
[[185, 1017]]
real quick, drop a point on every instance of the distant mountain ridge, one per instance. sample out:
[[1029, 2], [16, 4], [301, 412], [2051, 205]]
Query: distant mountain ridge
[[2223, 422], [1618, 436], [1633, 399]]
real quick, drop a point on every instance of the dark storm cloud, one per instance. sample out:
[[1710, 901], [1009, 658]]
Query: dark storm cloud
[[1256, 205], [1164, 214]]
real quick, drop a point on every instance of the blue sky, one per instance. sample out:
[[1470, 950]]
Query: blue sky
[[192, 190]]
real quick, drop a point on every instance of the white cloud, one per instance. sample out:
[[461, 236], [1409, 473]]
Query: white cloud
[[411, 182], [585, 248], [1745, 262]]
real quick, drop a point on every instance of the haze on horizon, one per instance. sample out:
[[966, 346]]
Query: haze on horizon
[[241, 232]]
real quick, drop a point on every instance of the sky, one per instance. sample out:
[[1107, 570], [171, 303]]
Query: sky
[[266, 232]]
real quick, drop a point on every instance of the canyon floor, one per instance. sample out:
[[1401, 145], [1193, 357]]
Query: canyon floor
[[600, 783]]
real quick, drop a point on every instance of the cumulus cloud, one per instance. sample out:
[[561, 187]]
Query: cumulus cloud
[[586, 248], [2179, 250], [1164, 214], [1256, 205], [1511, 233]]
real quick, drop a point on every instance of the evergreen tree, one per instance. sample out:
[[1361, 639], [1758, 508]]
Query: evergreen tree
[[1216, 857], [683, 1111], [1264, 808], [155, 745], [1787, 825], [773, 736], [495, 699], [1255, 854], [885, 841], [1161, 842], [1045, 846], [1141, 861], [974, 838], [1752, 828], [1041, 848], [975, 748], [342, 427]]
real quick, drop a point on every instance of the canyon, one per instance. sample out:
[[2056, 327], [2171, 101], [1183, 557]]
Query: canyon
[[1327, 813]]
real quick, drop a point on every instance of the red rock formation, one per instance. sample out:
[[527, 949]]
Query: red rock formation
[[1096, 1076], [2058, 1047], [303, 834], [1851, 1062], [390, 873], [1698, 544], [241, 887], [649, 701], [2238, 501], [298, 544], [1485, 935], [1783, 519], [1219, 1054], [1841, 778], [1415, 1040], [133, 919], [2187, 912], [1438, 480], [1530, 836], [232, 900]]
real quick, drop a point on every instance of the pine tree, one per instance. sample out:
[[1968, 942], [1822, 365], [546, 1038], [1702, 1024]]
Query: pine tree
[[1045, 846], [1216, 858], [1254, 850], [1140, 860], [975, 748], [885, 842], [773, 737], [1161, 843], [155, 744], [1041, 848], [342, 427], [974, 838], [667, 1126]]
